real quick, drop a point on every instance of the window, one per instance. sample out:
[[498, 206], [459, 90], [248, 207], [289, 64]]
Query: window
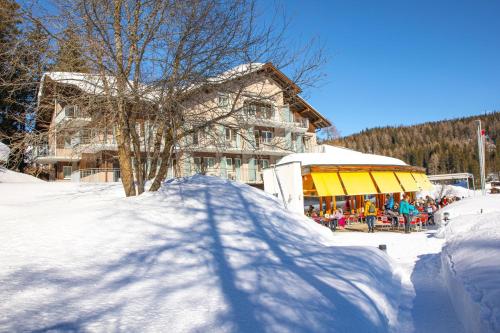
[[264, 164], [228, 134], [71, 111], [267, 136], [68, 141], [196, 138], [229, 163], [257, 138], [209, 162], [197, 164], [85, 136], [266, 112], [251, 110], [223, 101], [67, 171]]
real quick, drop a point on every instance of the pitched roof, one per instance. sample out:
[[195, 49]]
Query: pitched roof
[[95, 84]]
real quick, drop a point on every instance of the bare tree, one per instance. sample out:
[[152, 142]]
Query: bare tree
[[331, 133], [158, 65]]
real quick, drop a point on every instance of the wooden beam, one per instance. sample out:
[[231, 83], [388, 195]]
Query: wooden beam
[[364, 168]]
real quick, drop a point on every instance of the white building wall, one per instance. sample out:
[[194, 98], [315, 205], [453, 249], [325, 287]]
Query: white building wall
[[285, 182]]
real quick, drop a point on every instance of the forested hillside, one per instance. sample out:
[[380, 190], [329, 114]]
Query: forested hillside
[[441, 147]]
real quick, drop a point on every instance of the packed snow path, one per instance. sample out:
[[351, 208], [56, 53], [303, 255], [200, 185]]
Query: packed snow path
[[425, 305]]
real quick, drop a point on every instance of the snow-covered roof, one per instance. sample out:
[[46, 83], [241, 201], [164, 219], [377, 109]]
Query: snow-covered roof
[[92, 84], [237, 71], [331, 155], [95, 84], [4, 152]]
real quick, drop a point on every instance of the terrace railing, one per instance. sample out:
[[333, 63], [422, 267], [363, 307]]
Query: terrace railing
[[96, 175]]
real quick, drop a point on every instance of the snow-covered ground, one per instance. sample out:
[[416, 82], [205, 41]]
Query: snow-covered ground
[[205, 254], [8, 176], [202, 255], [471, 261]]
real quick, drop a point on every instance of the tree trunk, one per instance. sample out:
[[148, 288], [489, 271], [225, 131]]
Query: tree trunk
[[162, 171], [138, 162], [124, 154]]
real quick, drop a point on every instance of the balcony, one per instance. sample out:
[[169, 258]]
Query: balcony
[[71, 114], [96, 175], [50, 154], [279, 117]]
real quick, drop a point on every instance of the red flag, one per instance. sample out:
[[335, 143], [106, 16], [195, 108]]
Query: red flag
[[483, 132]]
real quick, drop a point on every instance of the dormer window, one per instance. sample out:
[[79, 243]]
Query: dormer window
[[71, 111]]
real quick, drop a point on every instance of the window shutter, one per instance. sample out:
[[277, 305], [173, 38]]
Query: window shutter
[[288, 139], [285, 113], [223, 167], [187, 166], [252, 170]]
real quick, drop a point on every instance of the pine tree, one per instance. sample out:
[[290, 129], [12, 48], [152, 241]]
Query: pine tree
[[70, 55], [441, 147], [10, 20]]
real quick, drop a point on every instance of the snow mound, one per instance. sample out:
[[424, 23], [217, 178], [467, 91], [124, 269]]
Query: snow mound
[[4, 152], [470, 261], [438, 191], [9, 176], [201, 255]]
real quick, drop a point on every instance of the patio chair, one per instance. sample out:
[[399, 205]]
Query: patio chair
[[383, 222], [401, 222], [416, 223], [351, 219]]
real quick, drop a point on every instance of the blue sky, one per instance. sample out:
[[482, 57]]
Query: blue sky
[[402, 62]]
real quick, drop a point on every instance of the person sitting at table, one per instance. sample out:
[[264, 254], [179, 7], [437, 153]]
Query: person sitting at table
[[326, 220], [342, 219], [310, 210], [389, 202], [393, 215]]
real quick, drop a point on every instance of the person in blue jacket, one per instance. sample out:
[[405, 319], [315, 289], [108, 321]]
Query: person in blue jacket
[[404, 209], [389, 202]]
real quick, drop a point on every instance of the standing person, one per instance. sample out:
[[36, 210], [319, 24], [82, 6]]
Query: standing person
[[335, 219], [404, 209], [370, 212], [430, 213]]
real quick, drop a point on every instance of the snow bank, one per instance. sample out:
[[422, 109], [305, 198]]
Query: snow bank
[[201, 255], [470, 261], [439, 191], [4, 152], [9, 176]]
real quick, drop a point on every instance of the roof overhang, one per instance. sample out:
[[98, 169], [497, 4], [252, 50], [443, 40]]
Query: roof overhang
[[55, 159], [337, 168]]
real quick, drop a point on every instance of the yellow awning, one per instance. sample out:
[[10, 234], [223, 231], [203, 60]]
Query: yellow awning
[[422, 181], [387, 182], [327, 184], [406, 179], [358, 183]]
